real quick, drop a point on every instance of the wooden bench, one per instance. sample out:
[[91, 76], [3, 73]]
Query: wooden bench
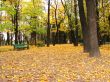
[[21, 46]]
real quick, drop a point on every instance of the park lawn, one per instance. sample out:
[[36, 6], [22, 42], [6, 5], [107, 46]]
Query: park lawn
[[60, 63]]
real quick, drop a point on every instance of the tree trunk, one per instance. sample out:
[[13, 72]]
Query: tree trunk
[[72, 32], [53, 38], [33, 38], [91, 18], [11, 41], [97, 18], [8, 39], [73, 35], [20, 37], [76, 23], [57, 33], [48, 28], [16, 26], [84, 26]]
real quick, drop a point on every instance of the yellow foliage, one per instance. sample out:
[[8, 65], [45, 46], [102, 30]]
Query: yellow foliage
[[60, 63]]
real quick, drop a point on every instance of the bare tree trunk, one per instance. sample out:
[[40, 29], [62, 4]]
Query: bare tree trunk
[[97, 17], [8, 38], [16, 26], [91, 18], [76, 23], [11, 41], [48, 28], [84, 26], [20, 37], [33, 38], [53, 38], [56, 21]]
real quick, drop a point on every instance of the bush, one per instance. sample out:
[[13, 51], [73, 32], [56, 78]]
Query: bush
[[40, 44]]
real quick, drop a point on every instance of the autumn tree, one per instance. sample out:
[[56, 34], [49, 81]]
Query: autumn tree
[[68, 8], [84, 25], [15, 4], [58, 19], [7, 25], [76, 23], [97, 21], [33, 21], [48, 28], [91, 20]]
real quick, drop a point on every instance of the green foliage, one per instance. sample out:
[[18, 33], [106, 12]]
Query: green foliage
[[6, 26], [32, 16], [31, 10], [25, 29], [8, 8], [103, 16], [41, 30], [40, 43]]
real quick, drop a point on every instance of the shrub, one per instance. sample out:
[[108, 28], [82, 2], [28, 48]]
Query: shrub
[[40, 44]]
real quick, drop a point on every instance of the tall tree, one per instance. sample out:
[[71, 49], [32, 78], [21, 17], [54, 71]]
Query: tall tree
[[58, 17], [16, 6], [76, 23], [48, 28], [32, 17], [91, 19], [16, 22], [84, 25], [97, 18], [70, 8], [56, 21]]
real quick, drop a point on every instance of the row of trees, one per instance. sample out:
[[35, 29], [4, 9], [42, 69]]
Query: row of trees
[[92, 15], [22, 18], [75, 21]]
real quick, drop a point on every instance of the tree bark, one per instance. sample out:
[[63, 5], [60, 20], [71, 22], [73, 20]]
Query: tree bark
[[91, 18], [16, 26], [48, 28], [53, 38], [97, 17], [84, 26], [8, 38], [33, 38], [57, 33], [76, 23], [11, 41]]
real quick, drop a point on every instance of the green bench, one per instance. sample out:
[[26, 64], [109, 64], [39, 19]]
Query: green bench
[[21, 46]]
